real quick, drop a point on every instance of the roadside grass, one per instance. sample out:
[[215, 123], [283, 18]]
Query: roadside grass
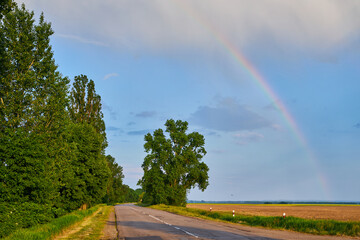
[[318, 227], [92, 230], [53, 228]]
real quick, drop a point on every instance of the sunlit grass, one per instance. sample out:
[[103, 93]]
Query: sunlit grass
[[93, 230]]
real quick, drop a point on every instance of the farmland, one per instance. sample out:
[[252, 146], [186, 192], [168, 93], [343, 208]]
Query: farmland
[[335, 212]]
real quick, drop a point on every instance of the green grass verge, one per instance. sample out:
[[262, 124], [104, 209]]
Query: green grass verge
[[48, 230], [93, 231], [319, 227]]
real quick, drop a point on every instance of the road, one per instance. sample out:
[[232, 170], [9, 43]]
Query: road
[[138, 223]]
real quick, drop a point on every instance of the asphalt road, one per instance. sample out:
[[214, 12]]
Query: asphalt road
[[138, 223]]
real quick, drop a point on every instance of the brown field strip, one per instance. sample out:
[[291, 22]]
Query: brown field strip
[[335, 212]]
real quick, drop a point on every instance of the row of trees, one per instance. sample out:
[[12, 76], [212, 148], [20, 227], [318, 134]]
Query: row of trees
[[52, 138], [53, 141]]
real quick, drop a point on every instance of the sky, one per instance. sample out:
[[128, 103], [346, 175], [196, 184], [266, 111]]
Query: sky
[[273, 85]]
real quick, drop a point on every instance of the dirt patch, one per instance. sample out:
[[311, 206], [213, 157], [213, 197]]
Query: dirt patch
[[68, 233], [341, 213]]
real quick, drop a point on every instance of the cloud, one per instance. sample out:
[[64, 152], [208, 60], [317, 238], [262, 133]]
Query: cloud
[[146, 114], [112, 128], [139, 132], [246, 137], [228, 116], [173, 25], [107, 76]]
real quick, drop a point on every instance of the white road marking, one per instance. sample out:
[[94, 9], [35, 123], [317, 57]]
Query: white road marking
[[157, 219]]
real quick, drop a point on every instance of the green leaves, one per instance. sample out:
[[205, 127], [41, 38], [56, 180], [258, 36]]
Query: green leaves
[[51, 144], [173, 165]]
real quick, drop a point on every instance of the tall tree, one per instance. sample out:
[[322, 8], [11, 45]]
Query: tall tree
[[173, 165], [33, 99], [85, 104], [87, 133]]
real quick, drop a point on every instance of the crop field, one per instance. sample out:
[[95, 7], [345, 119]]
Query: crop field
[[335, 212]]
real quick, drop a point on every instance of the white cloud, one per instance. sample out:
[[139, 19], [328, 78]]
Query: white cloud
[[177, 24], [110, 75]]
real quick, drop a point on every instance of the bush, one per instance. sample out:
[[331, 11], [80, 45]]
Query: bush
[[24, 215], [51, 229]]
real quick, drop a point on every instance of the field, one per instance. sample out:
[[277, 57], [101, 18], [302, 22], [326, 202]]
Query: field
[[335, 212]]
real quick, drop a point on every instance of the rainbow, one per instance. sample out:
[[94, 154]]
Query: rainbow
[[263, 85]]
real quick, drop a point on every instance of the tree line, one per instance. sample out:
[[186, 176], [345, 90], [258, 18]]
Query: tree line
[[52, 136], [53, 140]]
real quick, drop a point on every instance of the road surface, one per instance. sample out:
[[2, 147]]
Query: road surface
[[138, 223]]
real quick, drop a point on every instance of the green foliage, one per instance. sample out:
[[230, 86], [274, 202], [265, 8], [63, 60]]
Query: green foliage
[[87, 178], [85, 105], [52, 143], [33, 93], [319, 227], [49, 230], [33, 99], [114, 192], [130, 195], [23, 215], [173, 165], [27, 172], [5, 7]]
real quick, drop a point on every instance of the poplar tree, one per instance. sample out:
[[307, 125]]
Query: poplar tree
[[173, 165], [33, 99], [85, 105], [87, 132]]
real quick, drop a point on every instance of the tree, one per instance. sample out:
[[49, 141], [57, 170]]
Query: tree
[[115, 183], [33, 100], [173, 165], [5, 7], [89, 173], [85, 105], [87, 134]]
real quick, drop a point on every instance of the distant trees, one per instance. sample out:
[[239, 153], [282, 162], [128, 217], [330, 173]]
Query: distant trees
[[173, 165], [114, 187]]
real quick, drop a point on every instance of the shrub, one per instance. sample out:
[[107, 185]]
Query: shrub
[[24, 215]]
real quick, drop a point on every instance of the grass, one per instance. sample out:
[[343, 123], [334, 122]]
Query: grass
[[93, 230], [319, 227], [55, 227]]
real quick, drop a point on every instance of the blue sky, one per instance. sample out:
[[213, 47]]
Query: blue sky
[[155, 60]]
